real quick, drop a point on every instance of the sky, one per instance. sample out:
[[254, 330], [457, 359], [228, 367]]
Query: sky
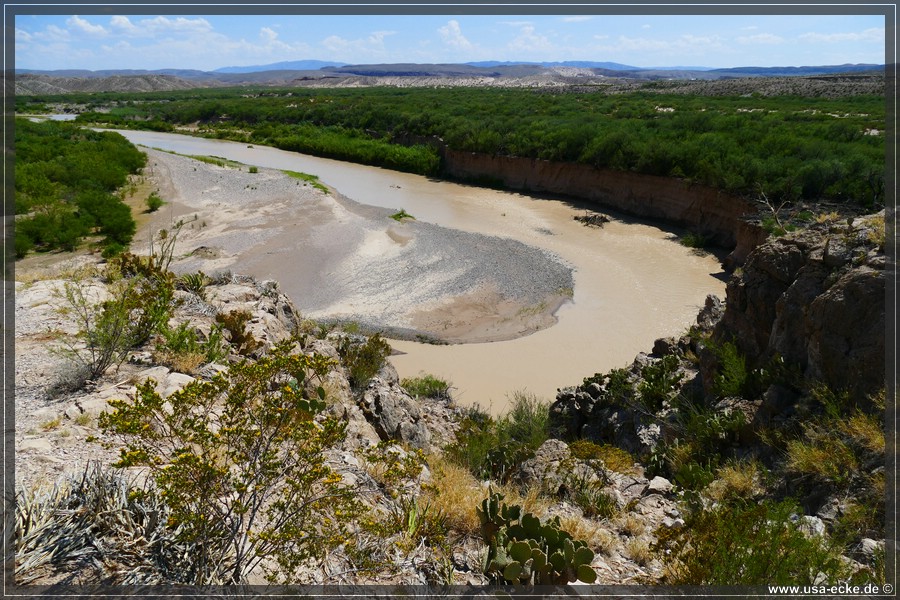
[[208, 42]]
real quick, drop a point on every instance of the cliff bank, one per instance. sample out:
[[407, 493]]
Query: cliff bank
[[716, 215]]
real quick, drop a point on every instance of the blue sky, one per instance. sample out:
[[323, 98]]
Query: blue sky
[[207, 42]]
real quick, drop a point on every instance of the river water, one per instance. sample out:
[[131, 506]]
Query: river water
[[633, 281]]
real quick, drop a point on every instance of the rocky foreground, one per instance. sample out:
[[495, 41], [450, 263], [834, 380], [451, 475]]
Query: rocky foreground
[[813, 301]]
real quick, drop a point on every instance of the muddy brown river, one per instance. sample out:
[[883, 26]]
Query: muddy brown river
[[633, 281]]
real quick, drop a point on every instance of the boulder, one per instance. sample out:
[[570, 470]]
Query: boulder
[[548, 468], [394, 414]]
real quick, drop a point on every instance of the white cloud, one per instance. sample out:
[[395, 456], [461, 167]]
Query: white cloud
[[646, 26], [875, 34], [123, 24], [267, 34], [22, 35], [452, 35], [53, 34], [368, 48], [376, 38], [164, 24], [760, 38], [576, 19], [85, 26], [528, 40]]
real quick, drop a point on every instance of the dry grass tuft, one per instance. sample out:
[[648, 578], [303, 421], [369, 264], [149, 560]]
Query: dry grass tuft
[[596, 536], [631, 524], [455, 492], [738, 480], [638, 550]]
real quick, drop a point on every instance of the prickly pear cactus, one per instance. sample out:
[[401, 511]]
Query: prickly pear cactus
[[522, 550]]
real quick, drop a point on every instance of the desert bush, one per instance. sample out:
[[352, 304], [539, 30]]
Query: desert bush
[[450, 491], [181, 349], [240, 462], [613, 458], [703, 439], [426, 386], [493, 448], [392, 467], [363, 360], [839, 447], [659, 382], [747, 544], [194, 283], [694, 240], [135, 309], [235, 323], [591, 497], [418, 521], [737, 480], [154, 202]]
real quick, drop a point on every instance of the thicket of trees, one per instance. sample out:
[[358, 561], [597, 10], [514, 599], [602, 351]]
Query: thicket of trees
[[65, 183], [789, 147]]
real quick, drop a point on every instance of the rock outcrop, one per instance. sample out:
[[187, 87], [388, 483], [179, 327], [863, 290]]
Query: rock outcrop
[[815, 298]]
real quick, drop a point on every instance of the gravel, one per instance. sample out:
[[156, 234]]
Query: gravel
[[338, 259]]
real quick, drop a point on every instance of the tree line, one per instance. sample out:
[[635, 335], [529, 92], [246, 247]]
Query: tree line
[[66, 178], [790, 148]]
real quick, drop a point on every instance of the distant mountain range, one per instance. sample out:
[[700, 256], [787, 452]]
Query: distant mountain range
[[312, 73], [290, 65], [482, 68]]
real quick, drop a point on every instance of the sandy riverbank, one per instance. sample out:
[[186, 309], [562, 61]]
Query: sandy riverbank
[[341, 260]]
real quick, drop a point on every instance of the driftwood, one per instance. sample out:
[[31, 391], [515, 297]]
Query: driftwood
[[593, 220]]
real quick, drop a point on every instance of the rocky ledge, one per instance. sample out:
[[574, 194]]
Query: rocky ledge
[[794, 354]]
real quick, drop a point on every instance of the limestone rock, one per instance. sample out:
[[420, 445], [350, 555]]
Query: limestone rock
[[394, 414], [547, 468], [660, 485], [816, 298]]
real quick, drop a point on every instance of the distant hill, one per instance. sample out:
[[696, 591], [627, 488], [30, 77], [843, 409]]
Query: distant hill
[[583, 64], [290, 65], [793, 71], [313, 73]]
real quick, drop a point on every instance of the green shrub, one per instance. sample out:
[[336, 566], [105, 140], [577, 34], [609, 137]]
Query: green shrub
[[417, 521], [613, 458], [426, 386], [401, 214], [249, 478], [694, 240], [136, 309], [527, 422], [493, 448], [617, 389], [659, 382], [154, 202], [732, 376], [184, 341], [591, 497], [195, 283], [746, 544], [363, 360]]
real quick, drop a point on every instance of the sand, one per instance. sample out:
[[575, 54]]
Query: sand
[[340, 260]]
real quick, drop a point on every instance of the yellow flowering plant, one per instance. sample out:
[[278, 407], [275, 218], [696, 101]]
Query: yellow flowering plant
[[240, 462]]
